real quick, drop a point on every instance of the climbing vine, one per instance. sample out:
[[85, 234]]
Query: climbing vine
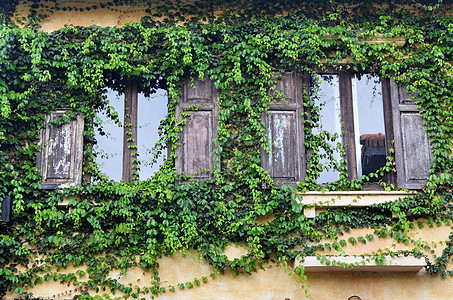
[[108, 225]]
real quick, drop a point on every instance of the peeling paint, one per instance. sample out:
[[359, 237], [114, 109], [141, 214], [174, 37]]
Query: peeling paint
[[278, 131], [60, 146], [280, 126]]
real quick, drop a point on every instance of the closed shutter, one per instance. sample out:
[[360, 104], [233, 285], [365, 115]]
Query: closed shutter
[[413, 153], [61, 155], [284, 127], [195, 155]]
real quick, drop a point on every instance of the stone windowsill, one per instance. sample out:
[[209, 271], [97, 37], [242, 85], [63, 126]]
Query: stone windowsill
[[316, 199], [362, 264], [398, 41]]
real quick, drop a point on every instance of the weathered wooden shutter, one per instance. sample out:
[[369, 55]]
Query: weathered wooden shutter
[[284, 126], [413, 153], [61, 155], [195, 157]]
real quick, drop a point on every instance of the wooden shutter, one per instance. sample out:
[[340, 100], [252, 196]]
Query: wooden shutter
[[61, 155], [284, 127], [195, 156], [413, 153]]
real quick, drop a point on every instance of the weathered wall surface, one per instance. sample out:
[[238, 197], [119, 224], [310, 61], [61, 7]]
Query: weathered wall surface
[[278, 282], [273, 282], [101, 16]]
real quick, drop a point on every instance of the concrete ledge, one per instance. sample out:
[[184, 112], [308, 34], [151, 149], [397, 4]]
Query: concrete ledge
[[361, 264], [398, 41], [318, 199]]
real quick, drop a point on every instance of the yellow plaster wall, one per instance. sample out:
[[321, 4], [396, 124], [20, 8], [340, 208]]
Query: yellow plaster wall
[[108, 16], [272, 283], [276, 283], [434, 237], [105, 17]]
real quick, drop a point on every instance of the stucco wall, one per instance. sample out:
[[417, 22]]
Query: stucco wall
[[101, 16], [277, 282]]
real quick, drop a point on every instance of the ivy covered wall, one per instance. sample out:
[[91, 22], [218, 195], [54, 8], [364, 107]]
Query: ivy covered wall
[[107, 225]]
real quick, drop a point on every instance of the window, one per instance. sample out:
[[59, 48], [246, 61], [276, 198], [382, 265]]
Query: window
[[133, 133], [129, 141], [363, 114], [368, 114], [360, 111], [352, 108], [194, 155]]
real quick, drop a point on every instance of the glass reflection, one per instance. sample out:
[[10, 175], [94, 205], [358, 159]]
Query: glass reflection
[[328, 99], [368, 123], [109, 147], [151, 111]]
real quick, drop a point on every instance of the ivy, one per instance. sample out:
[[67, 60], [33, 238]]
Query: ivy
[[109, 226]]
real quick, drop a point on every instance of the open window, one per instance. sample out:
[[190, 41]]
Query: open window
[[367, 115], [352, 108], [128, 134]]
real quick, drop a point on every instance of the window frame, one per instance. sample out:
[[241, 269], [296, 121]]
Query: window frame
[[396, 103], [347, 119], [130, 131]]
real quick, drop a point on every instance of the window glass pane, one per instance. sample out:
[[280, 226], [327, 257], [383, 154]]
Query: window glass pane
[[151, 111], [328, 99], [109, 148], [368, 123]]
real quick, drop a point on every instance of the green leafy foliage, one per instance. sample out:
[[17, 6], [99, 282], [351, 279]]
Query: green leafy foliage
[[109, 225]]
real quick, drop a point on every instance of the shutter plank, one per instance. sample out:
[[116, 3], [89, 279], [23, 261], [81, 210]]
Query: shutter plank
[[282, 132], [198, 141], [286, 86], [59, 150], [413, 153], [199, 90]]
